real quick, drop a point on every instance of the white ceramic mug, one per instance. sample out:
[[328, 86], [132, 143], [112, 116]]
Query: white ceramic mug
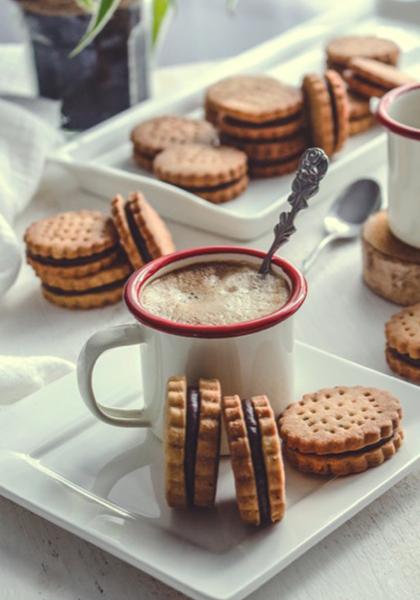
[[249, 358], [399, 112]]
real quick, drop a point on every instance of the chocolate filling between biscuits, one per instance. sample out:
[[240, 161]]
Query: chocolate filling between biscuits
[[374, 84], [334, 109], [71, 262], [272, 123], [268, 163], [255, 442], [136, 235], [191, 440], [215, 188], [406, 358], [93, 290], [230, 140]]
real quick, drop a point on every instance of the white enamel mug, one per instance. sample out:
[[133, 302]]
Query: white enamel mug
[[399, 112], [249, 358]]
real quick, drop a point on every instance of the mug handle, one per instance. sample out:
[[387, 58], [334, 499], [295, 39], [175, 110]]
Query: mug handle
[[97, 344]]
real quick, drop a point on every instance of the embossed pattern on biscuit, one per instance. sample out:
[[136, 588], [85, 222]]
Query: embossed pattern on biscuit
[[335, 420], [403, 331], [208, 443], [273, 461], [71, 235], [241, 459], [175, 430]]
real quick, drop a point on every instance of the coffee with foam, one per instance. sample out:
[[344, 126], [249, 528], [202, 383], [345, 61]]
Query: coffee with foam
[[215, 293]]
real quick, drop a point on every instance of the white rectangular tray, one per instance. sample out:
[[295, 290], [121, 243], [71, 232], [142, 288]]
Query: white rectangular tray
[[101, 158], [105, 484]]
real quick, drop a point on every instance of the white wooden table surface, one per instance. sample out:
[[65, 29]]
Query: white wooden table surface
[[375, 555]]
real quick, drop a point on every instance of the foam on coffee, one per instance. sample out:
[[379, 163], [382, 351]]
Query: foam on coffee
[[215, 293]]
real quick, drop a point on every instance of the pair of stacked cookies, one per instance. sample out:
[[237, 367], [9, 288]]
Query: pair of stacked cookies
[[342, 430], [340, 52], [368, 64], [186, 152], [192, 450], [261, 116], [83, 258]]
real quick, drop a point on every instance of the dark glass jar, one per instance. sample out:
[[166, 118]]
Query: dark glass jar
[[107, 77]]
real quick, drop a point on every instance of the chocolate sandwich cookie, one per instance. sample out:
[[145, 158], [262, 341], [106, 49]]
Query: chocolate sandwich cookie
[[261, 116], [152, 136], [341, 430], [327, 110], [256, 459], [72, 244], [215, 174], [254, 99], [142, 233], [192, 442], [370, 78], [347, 462], [341, 50], [339, 419], [91, 291], [402, 334], [360, 117]]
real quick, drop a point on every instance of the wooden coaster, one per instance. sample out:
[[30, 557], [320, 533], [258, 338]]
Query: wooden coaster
[[390, 268]]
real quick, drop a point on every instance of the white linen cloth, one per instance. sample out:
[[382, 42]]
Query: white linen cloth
[[23, 375], [25, 141]]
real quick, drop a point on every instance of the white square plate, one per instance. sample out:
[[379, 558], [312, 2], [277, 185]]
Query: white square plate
[[106, 484]]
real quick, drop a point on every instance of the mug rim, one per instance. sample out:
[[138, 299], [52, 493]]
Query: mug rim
[[390, 123], [139, 278]]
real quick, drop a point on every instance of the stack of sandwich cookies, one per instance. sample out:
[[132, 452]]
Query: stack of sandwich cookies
[[141, 231], [370, 78], [327, 108], [261, 116], [256, 459], [402, 351], [72, 244], [78, 259], [360, 117], [192, 442], [341, 430], [217, 174], [155, 135], [340, 51], [91, 291]]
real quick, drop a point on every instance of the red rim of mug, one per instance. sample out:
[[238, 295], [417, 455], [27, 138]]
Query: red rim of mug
[[389, 122], [139, 278]]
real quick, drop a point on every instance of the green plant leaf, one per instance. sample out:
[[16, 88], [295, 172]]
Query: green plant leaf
[[104, 11], [87, 5], [160, 8]]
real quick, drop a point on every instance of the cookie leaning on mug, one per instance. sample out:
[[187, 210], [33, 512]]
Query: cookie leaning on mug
[[341, 430], [256, 458], [192, 442]]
